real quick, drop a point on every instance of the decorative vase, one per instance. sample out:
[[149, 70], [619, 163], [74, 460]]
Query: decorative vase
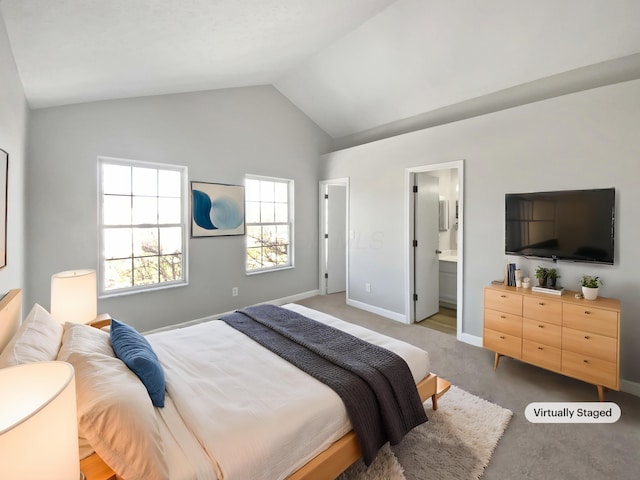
[[590, 293]]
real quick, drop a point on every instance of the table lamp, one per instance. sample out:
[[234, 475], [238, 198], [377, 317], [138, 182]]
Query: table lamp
[[73, 296], [38, 423]]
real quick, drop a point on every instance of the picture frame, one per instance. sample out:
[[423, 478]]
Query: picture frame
[[217, 209], [4, 188]]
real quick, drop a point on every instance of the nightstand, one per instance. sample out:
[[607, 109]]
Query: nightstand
[[94, 468]]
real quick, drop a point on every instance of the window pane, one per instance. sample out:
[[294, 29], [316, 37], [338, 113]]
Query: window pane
[[169, 184], [254, 258], [169, 210], [145, 270], [281, 213], [282, 232], [145, 181], [281, 194], [170, 268], [145, 242], [252, 190], [269, 234], [118, 274], [267, 213], [283, 255], [170, 240], [145, 210], [254, 235], [252, 212], [116, 179], [116, 210], [266, 191], [117, 243]]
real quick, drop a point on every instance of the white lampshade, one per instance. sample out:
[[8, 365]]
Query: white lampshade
[[38, 424], [73, 296]]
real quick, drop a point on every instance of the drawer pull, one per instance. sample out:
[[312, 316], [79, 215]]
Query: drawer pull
[[503, 296], [502, 337], [540, 348], [587, 312], [540, 326], [585, 361], [587, 337], [541, 303], [502, 316]]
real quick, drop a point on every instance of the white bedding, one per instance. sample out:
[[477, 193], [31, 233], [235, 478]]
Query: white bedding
[[255, 415]]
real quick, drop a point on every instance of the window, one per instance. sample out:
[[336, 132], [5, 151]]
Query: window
[[269, 220], [142, 225]]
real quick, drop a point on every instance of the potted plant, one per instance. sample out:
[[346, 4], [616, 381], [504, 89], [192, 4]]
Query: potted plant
[[541, 274], [590, 286], [552, 277]]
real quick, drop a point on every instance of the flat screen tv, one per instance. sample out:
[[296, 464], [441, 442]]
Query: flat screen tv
[[573, 225]]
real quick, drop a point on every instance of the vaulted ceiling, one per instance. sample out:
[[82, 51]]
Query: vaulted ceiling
[[350, 65]]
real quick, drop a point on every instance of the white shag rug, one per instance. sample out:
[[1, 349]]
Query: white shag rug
[[455, 444]]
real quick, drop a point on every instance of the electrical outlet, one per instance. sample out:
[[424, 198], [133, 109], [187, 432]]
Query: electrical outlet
[[234, 291], [367, 287]]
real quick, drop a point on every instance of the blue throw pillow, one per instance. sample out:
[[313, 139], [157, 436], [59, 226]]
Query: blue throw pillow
[[136, 353]]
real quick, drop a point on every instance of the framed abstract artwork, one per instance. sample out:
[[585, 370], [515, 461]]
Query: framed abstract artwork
[[4, 171], [217, 209]]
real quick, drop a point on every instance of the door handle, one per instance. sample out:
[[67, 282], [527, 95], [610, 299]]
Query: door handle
[[438, 252]]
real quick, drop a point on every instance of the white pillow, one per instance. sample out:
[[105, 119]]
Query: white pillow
[[37, 340], [116, 416], [84, 339]]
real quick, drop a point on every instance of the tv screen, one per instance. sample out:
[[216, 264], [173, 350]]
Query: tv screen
[[575, 225]]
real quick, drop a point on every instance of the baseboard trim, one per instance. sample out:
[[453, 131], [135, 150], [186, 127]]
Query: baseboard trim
[[628, 386], [377, 310], [470, 339], [277, 301]]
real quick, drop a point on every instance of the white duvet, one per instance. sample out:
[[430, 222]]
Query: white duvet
[[236, 411]]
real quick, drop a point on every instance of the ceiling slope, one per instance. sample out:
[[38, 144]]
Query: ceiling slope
[[71, 51], [419, 56]]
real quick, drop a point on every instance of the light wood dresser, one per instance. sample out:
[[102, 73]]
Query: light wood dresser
[[575, 337]]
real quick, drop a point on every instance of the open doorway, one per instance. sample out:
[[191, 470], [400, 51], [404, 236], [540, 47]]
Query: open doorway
[[334, 200], [435, 245]]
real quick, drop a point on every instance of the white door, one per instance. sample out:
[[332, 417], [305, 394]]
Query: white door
[[426, 229], [336, 241]]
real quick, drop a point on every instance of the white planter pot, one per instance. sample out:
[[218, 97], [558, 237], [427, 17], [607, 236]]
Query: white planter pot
[[590, 293]]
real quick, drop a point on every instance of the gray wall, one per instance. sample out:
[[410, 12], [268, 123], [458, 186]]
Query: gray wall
[[14, 116], [583, 140], [221, 136]]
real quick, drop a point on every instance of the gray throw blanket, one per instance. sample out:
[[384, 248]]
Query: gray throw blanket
[[374, 383]]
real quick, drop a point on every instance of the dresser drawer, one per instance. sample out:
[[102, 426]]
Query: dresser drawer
[[503, 301], [503, 343], [503, 322], [541, 355], [549, 311], [589, 319], [542, 332], [591, 344], [590, 369]]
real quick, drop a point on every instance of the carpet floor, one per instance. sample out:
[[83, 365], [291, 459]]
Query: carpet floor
[[455, 444], [526, 451]]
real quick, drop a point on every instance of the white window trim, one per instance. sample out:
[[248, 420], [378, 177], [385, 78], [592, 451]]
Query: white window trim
[[184, 192], [291, 207]]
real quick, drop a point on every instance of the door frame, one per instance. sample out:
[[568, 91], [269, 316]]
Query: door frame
[[322, 229], [408, 232]]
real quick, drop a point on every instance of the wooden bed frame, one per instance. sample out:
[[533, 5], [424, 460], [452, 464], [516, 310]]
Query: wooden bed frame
[[328, 464]]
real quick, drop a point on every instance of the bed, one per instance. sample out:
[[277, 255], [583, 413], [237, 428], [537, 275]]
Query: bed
[[262, 418]]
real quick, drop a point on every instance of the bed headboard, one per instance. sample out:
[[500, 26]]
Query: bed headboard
[[10, 315]]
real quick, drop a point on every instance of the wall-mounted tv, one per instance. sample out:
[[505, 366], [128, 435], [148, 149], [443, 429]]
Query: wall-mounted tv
[[573, 225]]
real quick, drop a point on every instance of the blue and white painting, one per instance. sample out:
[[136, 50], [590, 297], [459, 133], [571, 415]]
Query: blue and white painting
[[216, 209]]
